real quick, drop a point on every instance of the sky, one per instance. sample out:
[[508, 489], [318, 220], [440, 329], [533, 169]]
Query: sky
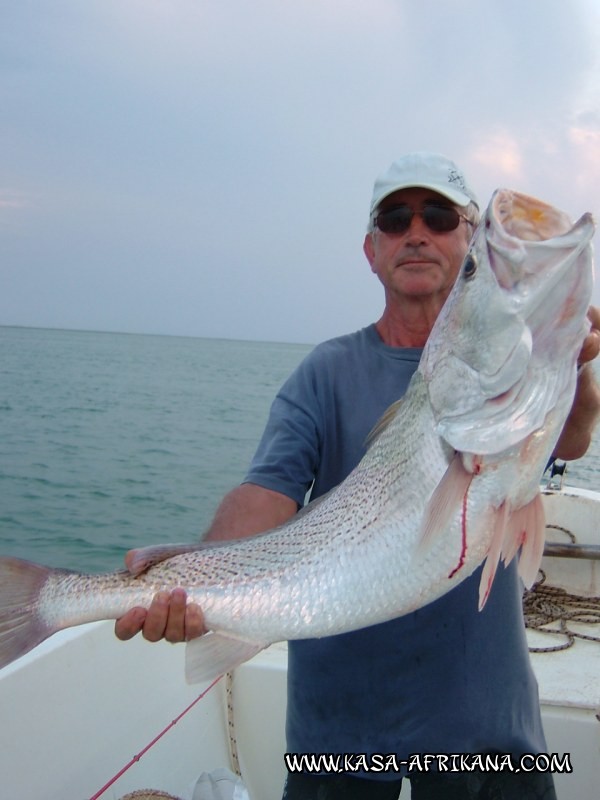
[[204, 167]]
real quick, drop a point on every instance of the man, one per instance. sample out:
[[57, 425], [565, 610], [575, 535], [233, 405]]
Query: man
[[447, 678]]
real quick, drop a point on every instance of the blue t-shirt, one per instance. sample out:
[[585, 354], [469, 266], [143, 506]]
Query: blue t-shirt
[[444, 679]]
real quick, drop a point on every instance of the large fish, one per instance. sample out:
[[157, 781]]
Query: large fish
[[450, 479]]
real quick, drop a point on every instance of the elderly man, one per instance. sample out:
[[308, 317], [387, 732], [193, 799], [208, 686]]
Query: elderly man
[[446, 678]]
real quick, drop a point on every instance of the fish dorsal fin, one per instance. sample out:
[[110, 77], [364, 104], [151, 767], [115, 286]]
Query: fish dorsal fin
[[384, 422], [142, 558], [215, 653], [138, 561]]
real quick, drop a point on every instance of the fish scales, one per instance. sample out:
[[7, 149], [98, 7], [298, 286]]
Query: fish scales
[[450, 479]]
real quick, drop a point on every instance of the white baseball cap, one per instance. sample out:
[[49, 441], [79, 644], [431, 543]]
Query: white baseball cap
[[429, 171]]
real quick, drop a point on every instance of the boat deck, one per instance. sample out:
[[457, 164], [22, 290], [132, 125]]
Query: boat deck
[[82, 704]]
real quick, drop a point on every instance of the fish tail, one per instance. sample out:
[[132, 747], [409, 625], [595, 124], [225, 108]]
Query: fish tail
[[22, 627]]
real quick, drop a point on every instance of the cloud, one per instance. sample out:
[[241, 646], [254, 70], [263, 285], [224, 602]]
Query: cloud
[[585, 142], [13, 208], [6, 201], [219, 155], [500, 154]]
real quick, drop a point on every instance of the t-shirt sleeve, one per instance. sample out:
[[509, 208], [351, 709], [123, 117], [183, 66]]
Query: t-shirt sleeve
[[288, 453]]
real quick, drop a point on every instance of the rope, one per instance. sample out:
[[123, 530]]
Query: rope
[[566, 531], [233, 748], [545, 606]]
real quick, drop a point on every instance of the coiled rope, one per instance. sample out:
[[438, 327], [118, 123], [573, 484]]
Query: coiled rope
[[552, 611]]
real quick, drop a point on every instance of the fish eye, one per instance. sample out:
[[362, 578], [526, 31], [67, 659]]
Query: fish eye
[[470, 266]]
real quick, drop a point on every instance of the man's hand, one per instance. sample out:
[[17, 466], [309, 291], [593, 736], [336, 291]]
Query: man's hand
[[169, 617], [244, 511], [591, 343], [579, 426]]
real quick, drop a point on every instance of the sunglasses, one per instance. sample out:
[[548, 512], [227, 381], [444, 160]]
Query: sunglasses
[[398, 219]]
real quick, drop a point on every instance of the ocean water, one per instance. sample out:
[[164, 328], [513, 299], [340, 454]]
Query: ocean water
[[112, 441]]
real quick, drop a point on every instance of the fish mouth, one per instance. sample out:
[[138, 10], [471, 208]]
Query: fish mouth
[[519, 223], [527, 218]]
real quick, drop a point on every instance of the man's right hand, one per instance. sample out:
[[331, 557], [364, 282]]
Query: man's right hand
[[244, 511], [169, 617]]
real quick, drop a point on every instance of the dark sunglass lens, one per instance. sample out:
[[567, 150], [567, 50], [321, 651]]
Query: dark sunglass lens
[[394, 220], [441, 218]]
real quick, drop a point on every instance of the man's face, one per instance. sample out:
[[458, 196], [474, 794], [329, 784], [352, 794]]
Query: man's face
[[418, 263]]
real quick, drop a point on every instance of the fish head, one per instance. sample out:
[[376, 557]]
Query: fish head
[[502, 353]]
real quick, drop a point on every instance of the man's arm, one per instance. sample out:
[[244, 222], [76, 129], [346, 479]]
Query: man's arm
[[246, 510], [577, 433], [578, 429], [249, 509]]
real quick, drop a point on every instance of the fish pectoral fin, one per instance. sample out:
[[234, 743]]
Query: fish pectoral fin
[[215, 653], [444, 503]]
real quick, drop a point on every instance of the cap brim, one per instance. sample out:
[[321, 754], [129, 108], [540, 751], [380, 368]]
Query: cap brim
[[454, 195]]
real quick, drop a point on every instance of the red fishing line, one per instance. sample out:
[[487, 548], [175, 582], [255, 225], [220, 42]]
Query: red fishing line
[[143, 752]]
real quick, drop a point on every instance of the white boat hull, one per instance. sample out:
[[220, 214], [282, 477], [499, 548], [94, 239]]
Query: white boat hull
[[569, 680], [81, 705]]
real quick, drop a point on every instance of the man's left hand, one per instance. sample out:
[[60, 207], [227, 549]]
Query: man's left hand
[[579, 426]]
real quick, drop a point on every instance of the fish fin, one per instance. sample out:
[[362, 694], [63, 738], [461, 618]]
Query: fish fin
[[21, 625], [493, 555], [533, 541], [445, 501], [142, 558], [525, 530], [383, 422], [514, 535], [215, 653]]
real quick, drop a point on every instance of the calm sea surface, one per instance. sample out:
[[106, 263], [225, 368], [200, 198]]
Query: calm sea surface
[[109, 441], [112, 441]]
